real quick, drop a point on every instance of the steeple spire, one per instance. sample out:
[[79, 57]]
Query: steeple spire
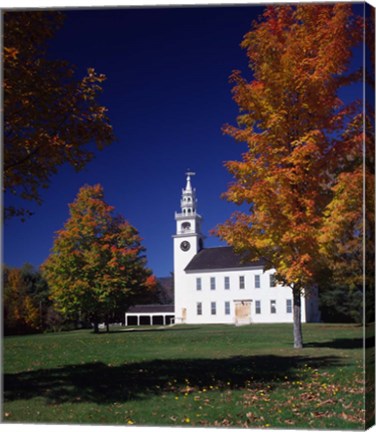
[[188, 187]]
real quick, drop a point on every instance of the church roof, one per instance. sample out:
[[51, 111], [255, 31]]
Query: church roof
[[151, 308], [218, 258]]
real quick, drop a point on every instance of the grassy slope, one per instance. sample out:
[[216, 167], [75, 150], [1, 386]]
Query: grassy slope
[[193, 375]]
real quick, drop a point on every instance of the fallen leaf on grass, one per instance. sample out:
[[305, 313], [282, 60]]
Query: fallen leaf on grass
[[322, 414], [289, 422], [326, 402], [253, 417], [352, 418], [224, 422], [187, 389], [317, 414], [308, 396]]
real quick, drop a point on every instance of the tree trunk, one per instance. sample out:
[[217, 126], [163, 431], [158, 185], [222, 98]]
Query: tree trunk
[[107, 325], [298, 336], [96, 326]]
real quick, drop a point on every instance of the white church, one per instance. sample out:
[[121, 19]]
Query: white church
[[214, 285]]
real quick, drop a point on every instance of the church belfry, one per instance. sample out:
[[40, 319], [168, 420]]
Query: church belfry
[[188, 221]]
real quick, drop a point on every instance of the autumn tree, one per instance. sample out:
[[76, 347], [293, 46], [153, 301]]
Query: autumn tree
[[50, 116], [25, 300], [347, 235], [291, 120], [97, 264]]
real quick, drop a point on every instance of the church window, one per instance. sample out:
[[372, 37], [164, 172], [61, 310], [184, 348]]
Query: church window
[[288, 306], [186, 226], [227, 283], [213, 308], [212, 283], [227, 308], [241, 282], [198, 284], [257, 281], [199, 308], [258, 307], [272, 281], [273, 306]]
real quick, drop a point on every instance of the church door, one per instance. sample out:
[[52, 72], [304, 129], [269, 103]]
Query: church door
[[242, 312]]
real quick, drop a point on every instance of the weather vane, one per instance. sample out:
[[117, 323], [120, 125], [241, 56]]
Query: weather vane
[[190, 173]]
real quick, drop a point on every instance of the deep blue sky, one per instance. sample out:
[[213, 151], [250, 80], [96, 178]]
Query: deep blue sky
[[168, 96]]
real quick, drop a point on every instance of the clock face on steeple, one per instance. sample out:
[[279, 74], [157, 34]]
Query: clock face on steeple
[[185, 245]]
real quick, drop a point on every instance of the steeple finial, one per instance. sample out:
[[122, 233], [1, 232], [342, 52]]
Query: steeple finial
[[189, 173]]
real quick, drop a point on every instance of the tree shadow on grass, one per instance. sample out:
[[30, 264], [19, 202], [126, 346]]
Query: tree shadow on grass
[[355, 343], [105, 384]]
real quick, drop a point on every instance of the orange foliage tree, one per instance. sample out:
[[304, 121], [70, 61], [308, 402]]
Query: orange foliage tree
[[291, 119], [49, 116], [23, 293], [96, 265]]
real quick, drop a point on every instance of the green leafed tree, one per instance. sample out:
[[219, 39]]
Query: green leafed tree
[[50, 116], [97, 264]]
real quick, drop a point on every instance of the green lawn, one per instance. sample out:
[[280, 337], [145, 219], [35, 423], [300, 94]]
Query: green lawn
[[188, 375]]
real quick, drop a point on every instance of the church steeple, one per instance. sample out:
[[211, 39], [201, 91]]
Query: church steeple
[[188, 241], [188, 202]]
